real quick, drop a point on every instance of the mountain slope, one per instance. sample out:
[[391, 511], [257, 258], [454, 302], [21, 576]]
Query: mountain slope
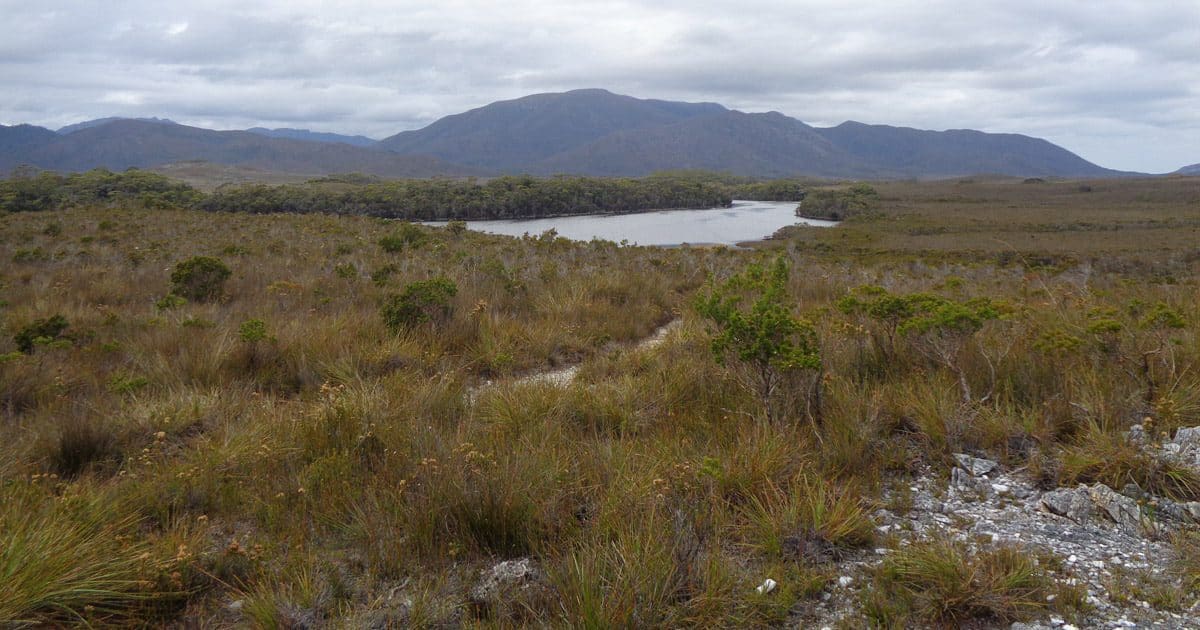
[[904, 151], [1194, 169], [512, 135], [121, 144], [19, 140], [595, 132], [744, 144], [313, 136]]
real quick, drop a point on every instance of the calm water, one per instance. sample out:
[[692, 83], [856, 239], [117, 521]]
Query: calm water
[[745, 221]]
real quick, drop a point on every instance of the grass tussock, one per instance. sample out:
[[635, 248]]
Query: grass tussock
[[940, 582], [1109, 458]]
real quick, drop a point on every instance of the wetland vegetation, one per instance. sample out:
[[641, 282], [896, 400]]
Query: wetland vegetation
[[277, 418]]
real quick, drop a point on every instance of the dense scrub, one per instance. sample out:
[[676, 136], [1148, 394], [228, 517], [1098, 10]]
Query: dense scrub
[[424, 200], [29, 190], [341, 434]]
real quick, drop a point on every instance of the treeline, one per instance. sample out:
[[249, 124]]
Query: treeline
[[499, 198], [28, 190], [416, 200]]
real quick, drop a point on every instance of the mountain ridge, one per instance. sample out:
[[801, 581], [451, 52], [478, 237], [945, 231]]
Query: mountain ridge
[[662, 135], [127, 143], [582, 132]]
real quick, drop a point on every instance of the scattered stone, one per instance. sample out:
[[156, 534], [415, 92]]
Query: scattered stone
[[499, 583], [978, 467], [235, 606], [962, 481], [810, 548], [1136, 435], [1100, 534], [767, 586]]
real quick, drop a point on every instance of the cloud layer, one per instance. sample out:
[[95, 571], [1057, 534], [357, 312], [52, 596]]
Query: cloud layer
[[1115, 82]]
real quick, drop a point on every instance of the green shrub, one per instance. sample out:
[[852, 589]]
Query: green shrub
[[169, 301], [406, 235], [199, 279], [40, 331], [252, 330], [420, 302], [381, 275], [37, 254], [764, 336]]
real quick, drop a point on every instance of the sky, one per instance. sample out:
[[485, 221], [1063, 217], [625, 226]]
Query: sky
[[1116, 82]]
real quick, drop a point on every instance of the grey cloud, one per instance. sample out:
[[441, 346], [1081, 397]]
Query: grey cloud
[[1112, 80]]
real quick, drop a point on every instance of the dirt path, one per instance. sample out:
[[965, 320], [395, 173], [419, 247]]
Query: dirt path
[[562, 377]]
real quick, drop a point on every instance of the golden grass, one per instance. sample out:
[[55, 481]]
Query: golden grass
[[315, 471]]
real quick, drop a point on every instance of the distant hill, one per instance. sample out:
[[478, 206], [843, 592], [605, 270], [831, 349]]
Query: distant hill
[[124, 143], [595, 132], [88, 124], [20, 139], [915, 152], [313, 136], [1189, 170], [515, 135]]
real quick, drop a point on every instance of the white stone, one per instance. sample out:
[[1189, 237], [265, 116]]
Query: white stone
[[845, 581], [767, 586]]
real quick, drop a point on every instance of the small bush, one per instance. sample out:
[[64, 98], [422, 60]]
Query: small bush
[[406, 235], [40, 330], [169, 301], [420, 302], [200, 278], [36, 254], [252, 330]]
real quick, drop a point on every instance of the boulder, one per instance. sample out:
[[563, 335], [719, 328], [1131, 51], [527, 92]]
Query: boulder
[[1121, 509], [1188, 438], [1072, 503], [977, 466]]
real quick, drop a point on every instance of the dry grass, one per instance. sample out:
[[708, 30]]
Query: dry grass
[[332, 463]]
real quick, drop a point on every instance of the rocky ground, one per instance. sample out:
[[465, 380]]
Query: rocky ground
[[1113, 544]]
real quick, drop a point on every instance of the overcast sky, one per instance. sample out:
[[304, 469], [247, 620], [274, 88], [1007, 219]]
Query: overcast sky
[[1116, 82]]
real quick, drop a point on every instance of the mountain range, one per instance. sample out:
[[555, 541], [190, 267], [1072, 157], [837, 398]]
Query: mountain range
[[585, 132], [124, 143], [1194, 169]]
